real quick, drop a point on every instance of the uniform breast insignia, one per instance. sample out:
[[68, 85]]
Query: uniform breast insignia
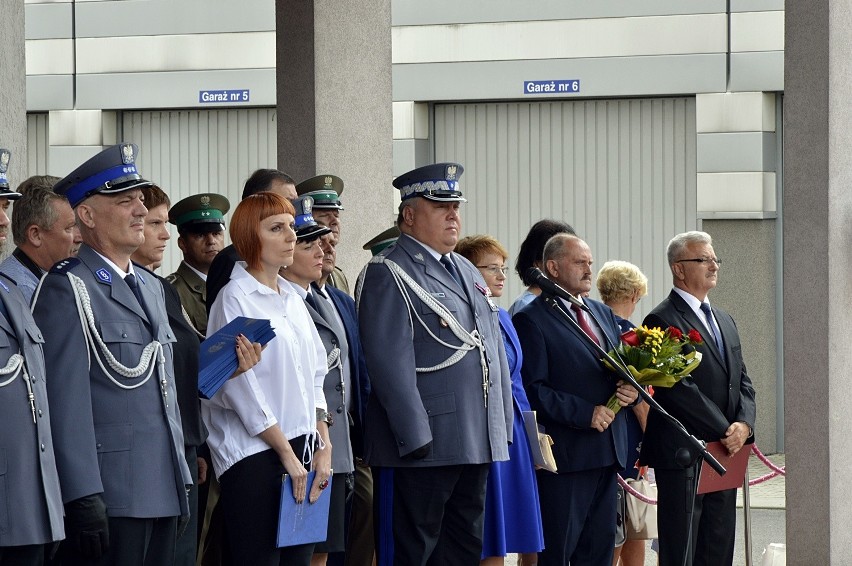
[[104, 275], [65, 265], [486, 292]]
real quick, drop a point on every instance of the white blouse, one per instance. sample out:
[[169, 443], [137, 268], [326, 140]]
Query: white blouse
[[284, 388]]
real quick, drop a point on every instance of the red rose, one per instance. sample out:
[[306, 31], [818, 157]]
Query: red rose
[[675, 333], [630, 338], [694, 336]]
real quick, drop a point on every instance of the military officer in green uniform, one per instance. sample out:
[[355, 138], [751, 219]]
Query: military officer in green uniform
[[326, 191], [200, 220]]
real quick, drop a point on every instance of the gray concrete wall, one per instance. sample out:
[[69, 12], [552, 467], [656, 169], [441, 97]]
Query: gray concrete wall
[[747, 291], [817, 279], [335, 109], [13, 103]]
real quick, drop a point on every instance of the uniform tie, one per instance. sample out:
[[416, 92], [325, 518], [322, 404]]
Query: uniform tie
[[450, 266], [584, 324], [714, 328], [130, 279]]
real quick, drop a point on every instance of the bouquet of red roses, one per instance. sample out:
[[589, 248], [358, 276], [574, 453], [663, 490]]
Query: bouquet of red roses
[[655, 356]]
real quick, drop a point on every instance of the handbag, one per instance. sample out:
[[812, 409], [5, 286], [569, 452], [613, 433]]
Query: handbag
[[641, 516]]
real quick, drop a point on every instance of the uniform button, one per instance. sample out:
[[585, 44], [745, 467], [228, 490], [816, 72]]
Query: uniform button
[[338, 387], [124, 334], [42, 447], [40, 413], [402, 443], [168, 335], [39, 336], [33, 379], [339, 410], [98, 445]]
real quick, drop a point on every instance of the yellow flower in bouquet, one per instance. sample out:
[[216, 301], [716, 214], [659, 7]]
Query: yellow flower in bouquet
[[655, 356]]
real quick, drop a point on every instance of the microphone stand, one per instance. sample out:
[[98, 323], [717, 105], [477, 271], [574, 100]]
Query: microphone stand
[[682, 456]]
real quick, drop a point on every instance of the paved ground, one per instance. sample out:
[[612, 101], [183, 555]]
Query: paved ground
[[767, 516]]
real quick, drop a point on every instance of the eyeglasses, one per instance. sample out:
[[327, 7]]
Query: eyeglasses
[[702, 260], [494, 269]]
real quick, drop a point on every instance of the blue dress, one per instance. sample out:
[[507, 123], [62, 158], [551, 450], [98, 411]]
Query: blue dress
[[634, 429], [512, 513]]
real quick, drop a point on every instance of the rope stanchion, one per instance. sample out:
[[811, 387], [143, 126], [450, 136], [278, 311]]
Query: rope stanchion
[[776, 471]]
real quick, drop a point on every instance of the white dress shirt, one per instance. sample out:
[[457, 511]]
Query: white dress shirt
[[283, 389]]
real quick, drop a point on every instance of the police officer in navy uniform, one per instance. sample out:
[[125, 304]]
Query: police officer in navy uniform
[[326, 191], [200, 220], [30, 498], [440, 408], [109, 345]]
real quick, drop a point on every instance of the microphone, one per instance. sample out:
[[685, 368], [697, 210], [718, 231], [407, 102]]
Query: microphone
[[535, 274]]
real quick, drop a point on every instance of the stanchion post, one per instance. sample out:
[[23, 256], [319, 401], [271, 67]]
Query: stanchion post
[[747, 520]]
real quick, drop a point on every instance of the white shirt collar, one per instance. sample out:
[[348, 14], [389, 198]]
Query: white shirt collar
[[203, 276], [120, 271]]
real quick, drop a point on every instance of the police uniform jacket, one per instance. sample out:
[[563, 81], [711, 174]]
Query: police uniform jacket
[[192, 290], [125, 443], [408, 409], [30, 499]]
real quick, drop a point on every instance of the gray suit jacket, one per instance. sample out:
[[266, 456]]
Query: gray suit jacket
[[408, 409], [30, 499], [334, 336], [125, 443]]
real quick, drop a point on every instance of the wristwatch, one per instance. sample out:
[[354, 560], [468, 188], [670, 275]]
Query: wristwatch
[[324, 416]]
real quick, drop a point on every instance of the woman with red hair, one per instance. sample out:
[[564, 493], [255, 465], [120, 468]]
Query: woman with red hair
[[271, 420]]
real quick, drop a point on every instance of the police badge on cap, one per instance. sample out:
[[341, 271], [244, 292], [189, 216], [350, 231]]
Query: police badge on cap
[[5, 191], [307, 228], [439, 182], [113, 170]]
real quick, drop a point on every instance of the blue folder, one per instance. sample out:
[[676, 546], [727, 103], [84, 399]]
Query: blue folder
[[218, 356], [302, 523]]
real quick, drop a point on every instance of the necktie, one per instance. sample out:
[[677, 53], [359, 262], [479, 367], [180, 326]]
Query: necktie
[[584, 324], [311, 301], [714, 328], [130, 279], [450, 266]]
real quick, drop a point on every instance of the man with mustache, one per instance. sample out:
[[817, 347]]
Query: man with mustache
[[108, 353], [45, 231], [568, 387], [200, 220], [31, 502], [440, 408]]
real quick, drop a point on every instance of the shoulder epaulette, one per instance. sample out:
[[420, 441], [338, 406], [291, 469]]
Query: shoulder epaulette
[[6, 275], [65, 265], [171, 278]]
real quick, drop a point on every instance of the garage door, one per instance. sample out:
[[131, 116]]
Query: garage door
[[621, 172]]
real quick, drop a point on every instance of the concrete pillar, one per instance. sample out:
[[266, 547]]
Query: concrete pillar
[[817, 231], [335, 110], [13, 103]]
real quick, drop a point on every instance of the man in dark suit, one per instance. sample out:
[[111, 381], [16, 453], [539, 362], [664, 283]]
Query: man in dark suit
[[108, 346], [715, 404], [440, 408], [568, 387], [30, 500]]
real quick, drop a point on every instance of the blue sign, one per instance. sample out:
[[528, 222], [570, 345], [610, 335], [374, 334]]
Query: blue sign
[[220, 96], [569, 86]]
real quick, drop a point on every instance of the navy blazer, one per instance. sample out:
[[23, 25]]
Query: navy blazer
[[361, 390], [564, 380], [717, 393]]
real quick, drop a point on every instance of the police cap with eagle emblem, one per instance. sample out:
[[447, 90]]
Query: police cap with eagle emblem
[[325, 190], [113, 170], [5, 191], [201, 213], [438, 182], [307, 229]]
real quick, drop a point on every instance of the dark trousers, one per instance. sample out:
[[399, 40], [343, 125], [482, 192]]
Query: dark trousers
[[578, 517], [713, 522], [251, 494], [429, 516], [186, 545], [28, 555], [360, 548]]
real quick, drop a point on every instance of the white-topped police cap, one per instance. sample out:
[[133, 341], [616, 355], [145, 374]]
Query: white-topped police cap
[[111, 171], [5, 191], [439, 182], [307, 229]]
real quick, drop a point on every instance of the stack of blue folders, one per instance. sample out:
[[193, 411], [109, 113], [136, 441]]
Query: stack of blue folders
[[218, 355]]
